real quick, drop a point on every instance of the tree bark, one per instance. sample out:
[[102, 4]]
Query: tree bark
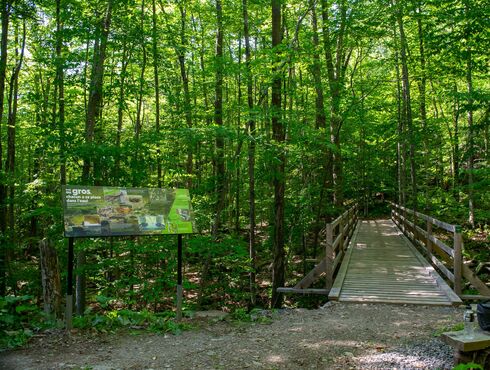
[[61, 91], [471, 154], [320, 117], [157, 90], [218, 120], [120, 110], [251, 156], [455, 145], [136, 166], [6, 7], [336, 72], [406, 102], [422, 104], [93, 114], [185, 85], [278, 133], [11, 134], [400, 145], [96, 83], [50, 277]]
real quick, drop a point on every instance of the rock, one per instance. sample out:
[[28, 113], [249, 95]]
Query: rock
[[211, 314]]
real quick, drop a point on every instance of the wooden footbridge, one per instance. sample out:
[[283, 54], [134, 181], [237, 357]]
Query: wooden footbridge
[[376, 261]]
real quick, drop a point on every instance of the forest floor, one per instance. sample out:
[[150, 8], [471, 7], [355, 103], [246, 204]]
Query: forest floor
[[336, 336]]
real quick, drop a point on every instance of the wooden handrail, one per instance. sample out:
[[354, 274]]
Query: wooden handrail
[[434, 247], [338, 235]]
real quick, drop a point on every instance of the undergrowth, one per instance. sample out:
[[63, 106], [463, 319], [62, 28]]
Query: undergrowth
[[21, 318]]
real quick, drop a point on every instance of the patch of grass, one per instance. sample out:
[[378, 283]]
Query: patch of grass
[[111, 321], [257, 315], [456, 327], [468, 366]]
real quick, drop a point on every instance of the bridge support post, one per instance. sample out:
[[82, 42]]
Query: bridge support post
[[429, 242], [329, 257], [458, 260]]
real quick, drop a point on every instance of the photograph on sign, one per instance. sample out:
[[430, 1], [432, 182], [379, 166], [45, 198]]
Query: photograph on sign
[[111, 211]]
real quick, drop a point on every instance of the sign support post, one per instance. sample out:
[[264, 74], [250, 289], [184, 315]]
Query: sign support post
[[179, 277], [69, 287]]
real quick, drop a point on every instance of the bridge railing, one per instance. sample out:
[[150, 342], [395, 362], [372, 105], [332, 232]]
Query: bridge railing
[[449, 260], [337, 236]]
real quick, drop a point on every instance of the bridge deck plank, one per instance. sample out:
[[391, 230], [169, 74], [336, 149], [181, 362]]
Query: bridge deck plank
[[382, 267]]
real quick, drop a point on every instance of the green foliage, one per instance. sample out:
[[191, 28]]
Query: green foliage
[[140, 273], [19, 319], [227, 266], [468, 366], [241, 315], [110, 321], [456, 327]]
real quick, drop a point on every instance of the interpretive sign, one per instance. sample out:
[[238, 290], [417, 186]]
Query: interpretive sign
[[113, 211]]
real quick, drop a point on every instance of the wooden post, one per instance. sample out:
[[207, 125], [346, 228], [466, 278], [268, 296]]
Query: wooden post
[[178, 314], [329, 257], [429, 242], [69, 287], [404, 220], [458, 259], [341, 233]]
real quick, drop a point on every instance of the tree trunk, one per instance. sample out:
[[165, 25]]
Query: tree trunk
[[422, 105], [93, 113], [11, 135], [335, 73], [278, 133], [218, 120], [3, 196], [406, 102], [61, 91], [400, 146], [96, 83], [157, 90], [50, 277], [136, 166], [320, 123], [251, 156], [456, 143], [120, 110], [320, 118], [181, 49], [471, 154]]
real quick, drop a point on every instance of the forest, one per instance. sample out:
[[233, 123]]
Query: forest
[[274, 114]]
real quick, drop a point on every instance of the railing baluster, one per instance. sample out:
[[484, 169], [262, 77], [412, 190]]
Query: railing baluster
[[458, 260], [329, 256]]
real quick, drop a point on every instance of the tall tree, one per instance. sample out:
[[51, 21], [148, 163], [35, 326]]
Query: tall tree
[[93, 113], [218, 121], [6, 9], [60, 84], [96, 83], [406, 111], [181, 50], [156, 81], [469, 89], [279, 136], [13, 96], [337, 56], [251, 153]]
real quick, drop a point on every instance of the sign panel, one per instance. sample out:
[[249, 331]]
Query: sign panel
[[113, 211]]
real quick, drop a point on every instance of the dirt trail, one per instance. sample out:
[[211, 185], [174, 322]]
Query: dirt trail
[[339, 336]]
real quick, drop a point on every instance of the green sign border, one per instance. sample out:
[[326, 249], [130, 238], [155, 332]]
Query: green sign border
[[101, 211]]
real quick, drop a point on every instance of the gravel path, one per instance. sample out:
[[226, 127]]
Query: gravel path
[[338, 336]]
